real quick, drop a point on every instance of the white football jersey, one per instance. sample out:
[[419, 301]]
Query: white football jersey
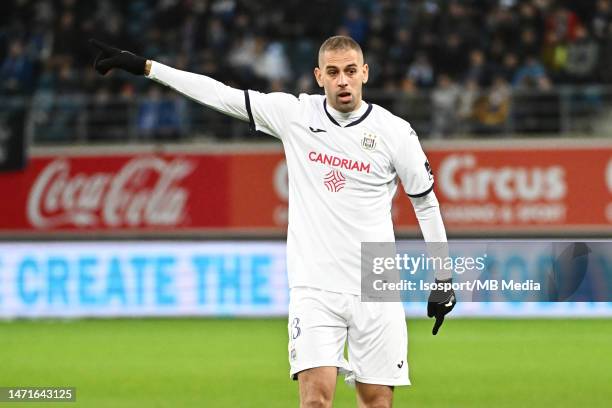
[[342, 180]]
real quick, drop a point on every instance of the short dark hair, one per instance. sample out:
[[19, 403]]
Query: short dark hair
[[339, 42]]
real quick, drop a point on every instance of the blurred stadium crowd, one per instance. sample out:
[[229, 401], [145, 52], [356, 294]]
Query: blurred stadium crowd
[[462, 61]]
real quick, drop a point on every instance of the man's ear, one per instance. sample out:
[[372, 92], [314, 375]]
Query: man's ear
[[366, 72], [318, 74]]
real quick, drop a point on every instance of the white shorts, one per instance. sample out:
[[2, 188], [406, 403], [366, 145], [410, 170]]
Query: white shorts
[[321, 322]]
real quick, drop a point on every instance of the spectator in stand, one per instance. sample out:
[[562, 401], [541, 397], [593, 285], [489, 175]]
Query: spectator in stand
[[159, 116], [305, 84], [529, 43], [17, 70], [445, 98], [444, 31], [478, 69], [492, 109], [101, 116], [605, 62], [554, 55], [421, 71], [271, 62], [409, 101], [602, 20], [531, 75], [459, 18], [502, 23], [401, 51], [216, 35], [66, 37], [496, 51], [469, 94], [356, 24], [242, 57], [564, 23], [530, 18], [582, 57], [407, 42], [452, 56], [508, 67]]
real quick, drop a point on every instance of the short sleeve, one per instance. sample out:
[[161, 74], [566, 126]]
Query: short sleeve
[[411, 164], [270, 113]]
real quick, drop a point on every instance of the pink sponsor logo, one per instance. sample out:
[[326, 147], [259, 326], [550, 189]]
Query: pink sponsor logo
[[334, 181], [335, 161], [145, 191]]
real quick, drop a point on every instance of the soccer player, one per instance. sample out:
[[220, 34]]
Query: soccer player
[[344, 157]]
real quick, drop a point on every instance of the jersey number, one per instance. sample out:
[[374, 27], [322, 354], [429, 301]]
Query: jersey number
[[295, 331]]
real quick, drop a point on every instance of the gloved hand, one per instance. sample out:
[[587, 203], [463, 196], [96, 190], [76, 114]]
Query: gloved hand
[[440, 303], [111, 57]]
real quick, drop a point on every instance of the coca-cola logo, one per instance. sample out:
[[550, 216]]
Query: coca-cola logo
[[145, 191], [461, 178]]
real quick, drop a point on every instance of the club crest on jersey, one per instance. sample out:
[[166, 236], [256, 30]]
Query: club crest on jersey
[[368, 142]]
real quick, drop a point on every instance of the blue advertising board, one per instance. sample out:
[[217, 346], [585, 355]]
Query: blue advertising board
[[140, 278]]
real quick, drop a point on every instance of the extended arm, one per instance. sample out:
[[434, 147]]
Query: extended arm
[[200, 88], [268, 113]]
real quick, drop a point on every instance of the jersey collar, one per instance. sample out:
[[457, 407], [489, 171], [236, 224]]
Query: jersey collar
[[353, 123]]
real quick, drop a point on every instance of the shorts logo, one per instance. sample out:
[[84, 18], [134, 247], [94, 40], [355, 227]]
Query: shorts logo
[[334, 181], [401, 364], [368, 142]]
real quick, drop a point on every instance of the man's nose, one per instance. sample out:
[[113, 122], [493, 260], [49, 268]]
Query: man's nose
[[342, 80]]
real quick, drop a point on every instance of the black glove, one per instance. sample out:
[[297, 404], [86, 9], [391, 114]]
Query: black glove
[[440, 303], [111, 57]]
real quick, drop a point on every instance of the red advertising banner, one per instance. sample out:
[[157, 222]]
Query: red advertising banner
[[116, 192], [524, 188], [518, 187]]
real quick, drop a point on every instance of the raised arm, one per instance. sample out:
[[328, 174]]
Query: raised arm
[[200, 88], [268, 113]]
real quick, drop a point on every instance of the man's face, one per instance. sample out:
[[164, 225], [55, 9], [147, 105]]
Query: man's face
[[342, 74]]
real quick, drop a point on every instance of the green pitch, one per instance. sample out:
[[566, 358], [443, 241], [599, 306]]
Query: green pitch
[[243, 363]]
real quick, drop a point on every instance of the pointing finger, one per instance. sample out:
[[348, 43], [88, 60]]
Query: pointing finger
[[102, 46], [437, 324]]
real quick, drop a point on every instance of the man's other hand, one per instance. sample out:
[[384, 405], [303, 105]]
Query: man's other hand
[[440, 303]]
